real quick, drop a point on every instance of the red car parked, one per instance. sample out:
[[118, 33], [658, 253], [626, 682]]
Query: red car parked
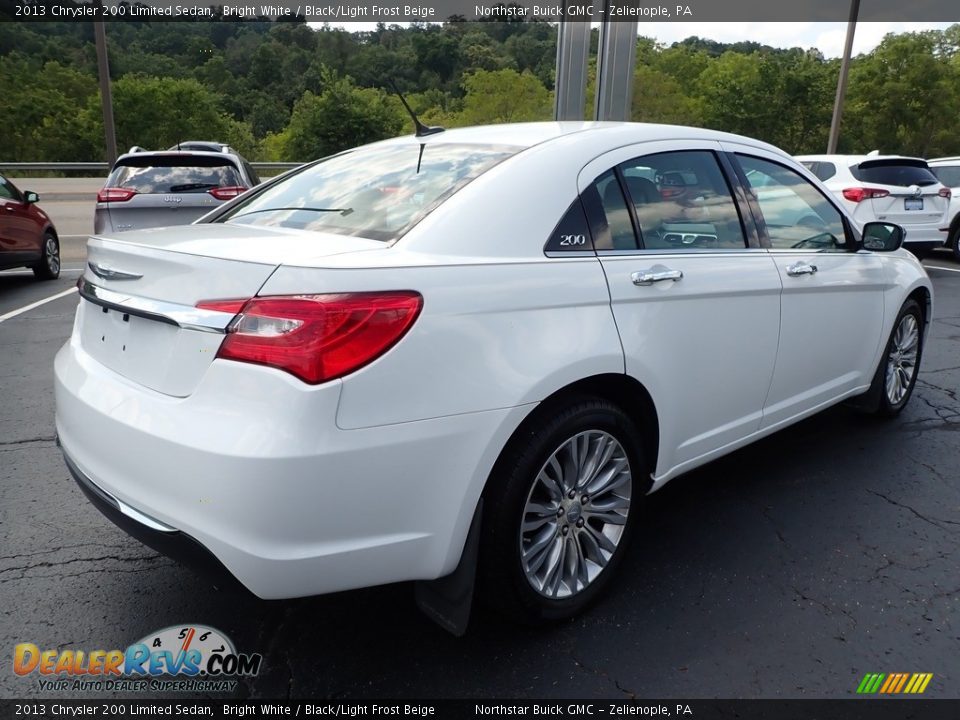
[[27, 236]]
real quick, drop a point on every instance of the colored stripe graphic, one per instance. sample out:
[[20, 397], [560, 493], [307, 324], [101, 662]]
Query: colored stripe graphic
[[894, 683]]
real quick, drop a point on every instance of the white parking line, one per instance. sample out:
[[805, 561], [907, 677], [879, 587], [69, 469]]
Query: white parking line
[[38, 303], [937, 267]]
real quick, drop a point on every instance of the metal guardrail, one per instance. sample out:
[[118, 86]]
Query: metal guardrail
[[104, 167]]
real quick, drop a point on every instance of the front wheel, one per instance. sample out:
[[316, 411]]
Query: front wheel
[[560, 509], [897, 374]]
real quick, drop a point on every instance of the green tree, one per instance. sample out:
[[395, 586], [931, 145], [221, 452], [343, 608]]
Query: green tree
[[340, 117], [504, 96], [904, 97], [733, 94]]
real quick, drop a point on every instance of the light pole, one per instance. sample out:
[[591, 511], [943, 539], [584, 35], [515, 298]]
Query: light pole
[[842, 80], [106, 97]]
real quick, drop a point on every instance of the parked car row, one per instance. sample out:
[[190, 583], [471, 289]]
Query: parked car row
[[920, 196]]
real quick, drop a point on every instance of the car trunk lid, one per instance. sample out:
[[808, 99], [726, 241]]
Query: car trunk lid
[[139, 316]]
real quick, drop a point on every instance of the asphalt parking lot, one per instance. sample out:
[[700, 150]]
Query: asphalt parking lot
[[788, 569]]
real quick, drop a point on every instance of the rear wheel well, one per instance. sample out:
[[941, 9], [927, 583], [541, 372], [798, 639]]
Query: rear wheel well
[[621, 390]]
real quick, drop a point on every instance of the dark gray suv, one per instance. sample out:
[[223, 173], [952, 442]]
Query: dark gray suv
[[170, 187]]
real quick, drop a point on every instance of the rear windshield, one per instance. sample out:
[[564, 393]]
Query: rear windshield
[[174, 174], [374, 192], [949, 175], [902, 173]]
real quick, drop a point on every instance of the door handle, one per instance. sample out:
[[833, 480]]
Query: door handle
[[801, 268], [649, 277]]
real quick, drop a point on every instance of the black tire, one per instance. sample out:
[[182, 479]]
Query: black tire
[[503, 582], [48, 267], [884, 405], [954, 242]]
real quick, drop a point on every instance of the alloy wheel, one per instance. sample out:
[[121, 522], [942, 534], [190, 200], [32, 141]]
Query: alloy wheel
[[902, 359], [52, 249], [575, 514]]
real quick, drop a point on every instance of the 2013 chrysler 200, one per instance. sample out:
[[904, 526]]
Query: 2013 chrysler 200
[[475, 349]]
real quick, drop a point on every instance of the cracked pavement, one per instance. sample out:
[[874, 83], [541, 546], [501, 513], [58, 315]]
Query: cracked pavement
[[788, 569]]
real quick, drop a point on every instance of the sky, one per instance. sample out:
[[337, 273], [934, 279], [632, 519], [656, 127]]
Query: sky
[[828, 37]]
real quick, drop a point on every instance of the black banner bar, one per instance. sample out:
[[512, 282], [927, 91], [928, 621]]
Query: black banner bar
[[395, 11], [900, 708]]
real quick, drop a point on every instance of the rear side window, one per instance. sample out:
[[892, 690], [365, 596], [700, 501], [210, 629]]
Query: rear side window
[[572, 233], [949, 175], [682, 202], [251, 173], [822, 170], [609, 215], [902, 173], [174, 174], [377, 192]]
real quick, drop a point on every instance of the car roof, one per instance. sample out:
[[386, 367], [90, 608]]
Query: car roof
[[535, 133], [854, 159], [955, 159], [182, 153]]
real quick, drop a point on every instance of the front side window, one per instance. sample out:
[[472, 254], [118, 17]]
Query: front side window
[[795, 213], [7, 191], [682, 202], [376, 192]]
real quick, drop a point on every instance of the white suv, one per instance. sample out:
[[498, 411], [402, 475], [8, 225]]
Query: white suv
[[888, 188], [947, 171]]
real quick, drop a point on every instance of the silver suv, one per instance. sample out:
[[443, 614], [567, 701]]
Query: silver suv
[[170, 187]]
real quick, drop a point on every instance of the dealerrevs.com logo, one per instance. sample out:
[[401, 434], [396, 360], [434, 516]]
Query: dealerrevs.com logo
[[188, 658]]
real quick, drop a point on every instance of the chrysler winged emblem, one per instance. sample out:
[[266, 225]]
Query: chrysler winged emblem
[[108, 273]]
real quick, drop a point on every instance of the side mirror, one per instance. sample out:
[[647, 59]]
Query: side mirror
[[30, 197], [882, 237]]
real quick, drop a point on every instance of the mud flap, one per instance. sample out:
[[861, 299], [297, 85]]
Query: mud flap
[[448, 600]]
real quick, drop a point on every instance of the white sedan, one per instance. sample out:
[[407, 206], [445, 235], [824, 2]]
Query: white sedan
[[471, 354]]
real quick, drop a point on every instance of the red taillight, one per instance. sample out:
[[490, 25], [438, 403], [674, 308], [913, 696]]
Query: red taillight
[[316, 337], [226, 306], [945, 193], [859, 194], [227, 193], [111, 194]]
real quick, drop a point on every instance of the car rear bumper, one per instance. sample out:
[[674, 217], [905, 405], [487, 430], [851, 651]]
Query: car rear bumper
[[162, 538], [250, 477], [925, 237]]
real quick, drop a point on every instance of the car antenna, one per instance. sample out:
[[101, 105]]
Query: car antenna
[[420, 128]]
